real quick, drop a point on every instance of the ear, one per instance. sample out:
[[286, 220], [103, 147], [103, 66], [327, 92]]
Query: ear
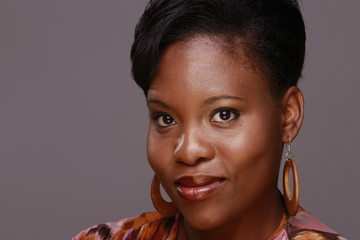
[[292, 113]]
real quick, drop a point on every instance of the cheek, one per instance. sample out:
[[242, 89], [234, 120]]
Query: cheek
[[253, 147], [158, 152], [152, 151]]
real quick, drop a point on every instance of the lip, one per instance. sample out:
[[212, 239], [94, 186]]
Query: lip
[[198, 187]]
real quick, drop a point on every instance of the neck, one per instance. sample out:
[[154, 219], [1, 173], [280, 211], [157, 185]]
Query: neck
[[258, 222]]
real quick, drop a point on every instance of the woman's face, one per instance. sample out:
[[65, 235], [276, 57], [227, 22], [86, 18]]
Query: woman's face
[[215, 135]]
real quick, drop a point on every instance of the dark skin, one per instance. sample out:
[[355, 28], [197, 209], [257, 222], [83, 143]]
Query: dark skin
[[214, 117]]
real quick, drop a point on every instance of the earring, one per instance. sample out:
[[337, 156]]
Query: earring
[[166, 209], [291, 202]]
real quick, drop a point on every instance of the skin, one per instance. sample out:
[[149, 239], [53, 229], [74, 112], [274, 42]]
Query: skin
[[212, 114]]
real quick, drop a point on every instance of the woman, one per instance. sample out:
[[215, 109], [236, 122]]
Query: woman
[[220, 80]]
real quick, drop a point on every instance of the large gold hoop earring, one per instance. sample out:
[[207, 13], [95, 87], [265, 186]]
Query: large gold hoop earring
[[291, 202], [166, 209]]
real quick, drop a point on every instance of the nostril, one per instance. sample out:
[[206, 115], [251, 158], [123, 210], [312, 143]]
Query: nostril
[[191, 154], [194, 162], [191, 150]]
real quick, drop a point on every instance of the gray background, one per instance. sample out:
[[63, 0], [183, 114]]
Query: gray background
[[73, 124]]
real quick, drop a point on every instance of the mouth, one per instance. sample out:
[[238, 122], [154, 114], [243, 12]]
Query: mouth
[[198, 187]]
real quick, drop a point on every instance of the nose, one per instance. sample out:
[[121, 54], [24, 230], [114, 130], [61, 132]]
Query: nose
[[193, 146]]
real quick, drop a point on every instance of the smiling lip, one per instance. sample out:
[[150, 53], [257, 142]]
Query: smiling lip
[[197, 187]]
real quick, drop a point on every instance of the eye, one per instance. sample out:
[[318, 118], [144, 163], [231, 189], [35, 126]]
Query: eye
[[164, 120], [224, 115]]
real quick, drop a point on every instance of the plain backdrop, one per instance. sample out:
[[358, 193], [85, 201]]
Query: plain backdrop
[[73, 124]]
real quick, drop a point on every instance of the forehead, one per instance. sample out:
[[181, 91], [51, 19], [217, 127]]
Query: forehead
[[206, 63], [230, 49]]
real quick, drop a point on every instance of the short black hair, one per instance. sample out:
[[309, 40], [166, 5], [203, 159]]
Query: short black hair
[[272, 31]]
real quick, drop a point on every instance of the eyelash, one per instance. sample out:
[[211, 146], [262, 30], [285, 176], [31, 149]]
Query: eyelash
[[234, 114], [158, 115]]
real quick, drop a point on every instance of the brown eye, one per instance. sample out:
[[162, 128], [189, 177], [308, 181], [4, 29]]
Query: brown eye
[[164, 120], [224, 116]]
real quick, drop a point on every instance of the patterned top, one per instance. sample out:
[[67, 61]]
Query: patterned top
[[151, 225]]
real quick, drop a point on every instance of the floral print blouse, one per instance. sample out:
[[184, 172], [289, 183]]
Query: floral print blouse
[[152, 226]]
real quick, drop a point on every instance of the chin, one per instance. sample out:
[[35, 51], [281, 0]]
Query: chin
[[202, 223], [202, 220]]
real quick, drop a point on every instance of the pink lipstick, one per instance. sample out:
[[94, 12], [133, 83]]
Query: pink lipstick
[[198, 187]]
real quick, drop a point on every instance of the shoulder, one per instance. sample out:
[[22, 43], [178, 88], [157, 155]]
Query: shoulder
[[306, 226], [145, 226]]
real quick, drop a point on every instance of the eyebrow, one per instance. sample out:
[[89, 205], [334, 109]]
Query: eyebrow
[[208, 101], [214, 99], [158, 102]]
